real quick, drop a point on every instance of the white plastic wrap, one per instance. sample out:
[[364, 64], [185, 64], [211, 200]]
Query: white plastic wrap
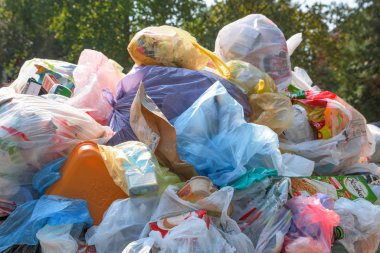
[[257, 40], [57, 239], [360, 220]]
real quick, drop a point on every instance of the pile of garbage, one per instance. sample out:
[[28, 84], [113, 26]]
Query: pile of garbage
[[190, 151]]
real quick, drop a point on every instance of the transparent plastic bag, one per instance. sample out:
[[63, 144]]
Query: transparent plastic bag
[[273, 110], [193, 235], [257, 40], [300, 131], [95, 76], [173, 90], [312, 226], [57, 239], [31, 67], [297, 166], [135, 169], [349, 139], [143, 245], [261, 215], [360, 220], [36, 130], [247, 77], [171, 46], [23, 224], [375, 131], [213, 136], [123, 223]]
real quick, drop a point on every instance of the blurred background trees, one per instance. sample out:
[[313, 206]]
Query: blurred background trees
[[340, 48]]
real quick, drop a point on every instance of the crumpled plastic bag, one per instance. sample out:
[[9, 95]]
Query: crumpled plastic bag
[[360, 220], [143, 245], [152, 128], [23, 224], [375, 131], [173, 90], [213, 136], [273, 110], [218, 203], [257, 40], [312, 226], [261, 214], [95, 76], [122, 223], [296, 166], [30, 67], [135, 169], [34, 131], [190, 236], [247, 77], [350, 139], [300, 131], [251, 176], [48, 175], [174, 47], [57, 239]]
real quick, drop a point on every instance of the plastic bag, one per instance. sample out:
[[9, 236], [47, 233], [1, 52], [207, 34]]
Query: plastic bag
[[312, 226], [193, 235], [261, 215], [217, 203], [63, 71], [48, 175], [247, 77], [95, 76], [273, 110], [122, 223], [257, 40], [213, 136], [350, 139], [300, 131], [296, 166], [360, 220], [57, 239], [174, 47], [251, 176], [135, 169], [23, 224], [375, 131], [152, 128], [35, 131], [173, 90], [143, 245]]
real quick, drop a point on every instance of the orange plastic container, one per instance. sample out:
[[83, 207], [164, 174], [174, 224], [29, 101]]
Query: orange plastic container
[[85, 176]]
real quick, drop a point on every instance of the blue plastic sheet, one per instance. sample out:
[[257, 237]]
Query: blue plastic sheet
[[48, 175], [214, 137], [23, 224], [172, 89]]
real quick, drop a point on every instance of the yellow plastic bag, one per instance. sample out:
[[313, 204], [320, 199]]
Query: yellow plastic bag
[[247, 77], [135, 169], [171, 46], [273, 110]]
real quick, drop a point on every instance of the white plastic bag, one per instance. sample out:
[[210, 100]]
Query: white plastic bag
[[257, 40], [122, 223], [300, 131], [143, 245], [376, 134], [57, 239], [360, 220], [296, 166], [36, 130]]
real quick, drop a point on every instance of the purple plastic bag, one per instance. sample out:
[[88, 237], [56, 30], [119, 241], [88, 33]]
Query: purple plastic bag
[[173, 90]]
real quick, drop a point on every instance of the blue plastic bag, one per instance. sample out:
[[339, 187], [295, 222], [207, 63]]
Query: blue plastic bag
[[173, 90], [214, 137], [251, 176], [48, 175], [23, 224]]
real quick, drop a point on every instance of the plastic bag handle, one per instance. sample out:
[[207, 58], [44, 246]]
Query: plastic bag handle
[[219, 64]]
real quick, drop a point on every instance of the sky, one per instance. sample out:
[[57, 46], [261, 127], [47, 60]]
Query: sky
[[351, 3]]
